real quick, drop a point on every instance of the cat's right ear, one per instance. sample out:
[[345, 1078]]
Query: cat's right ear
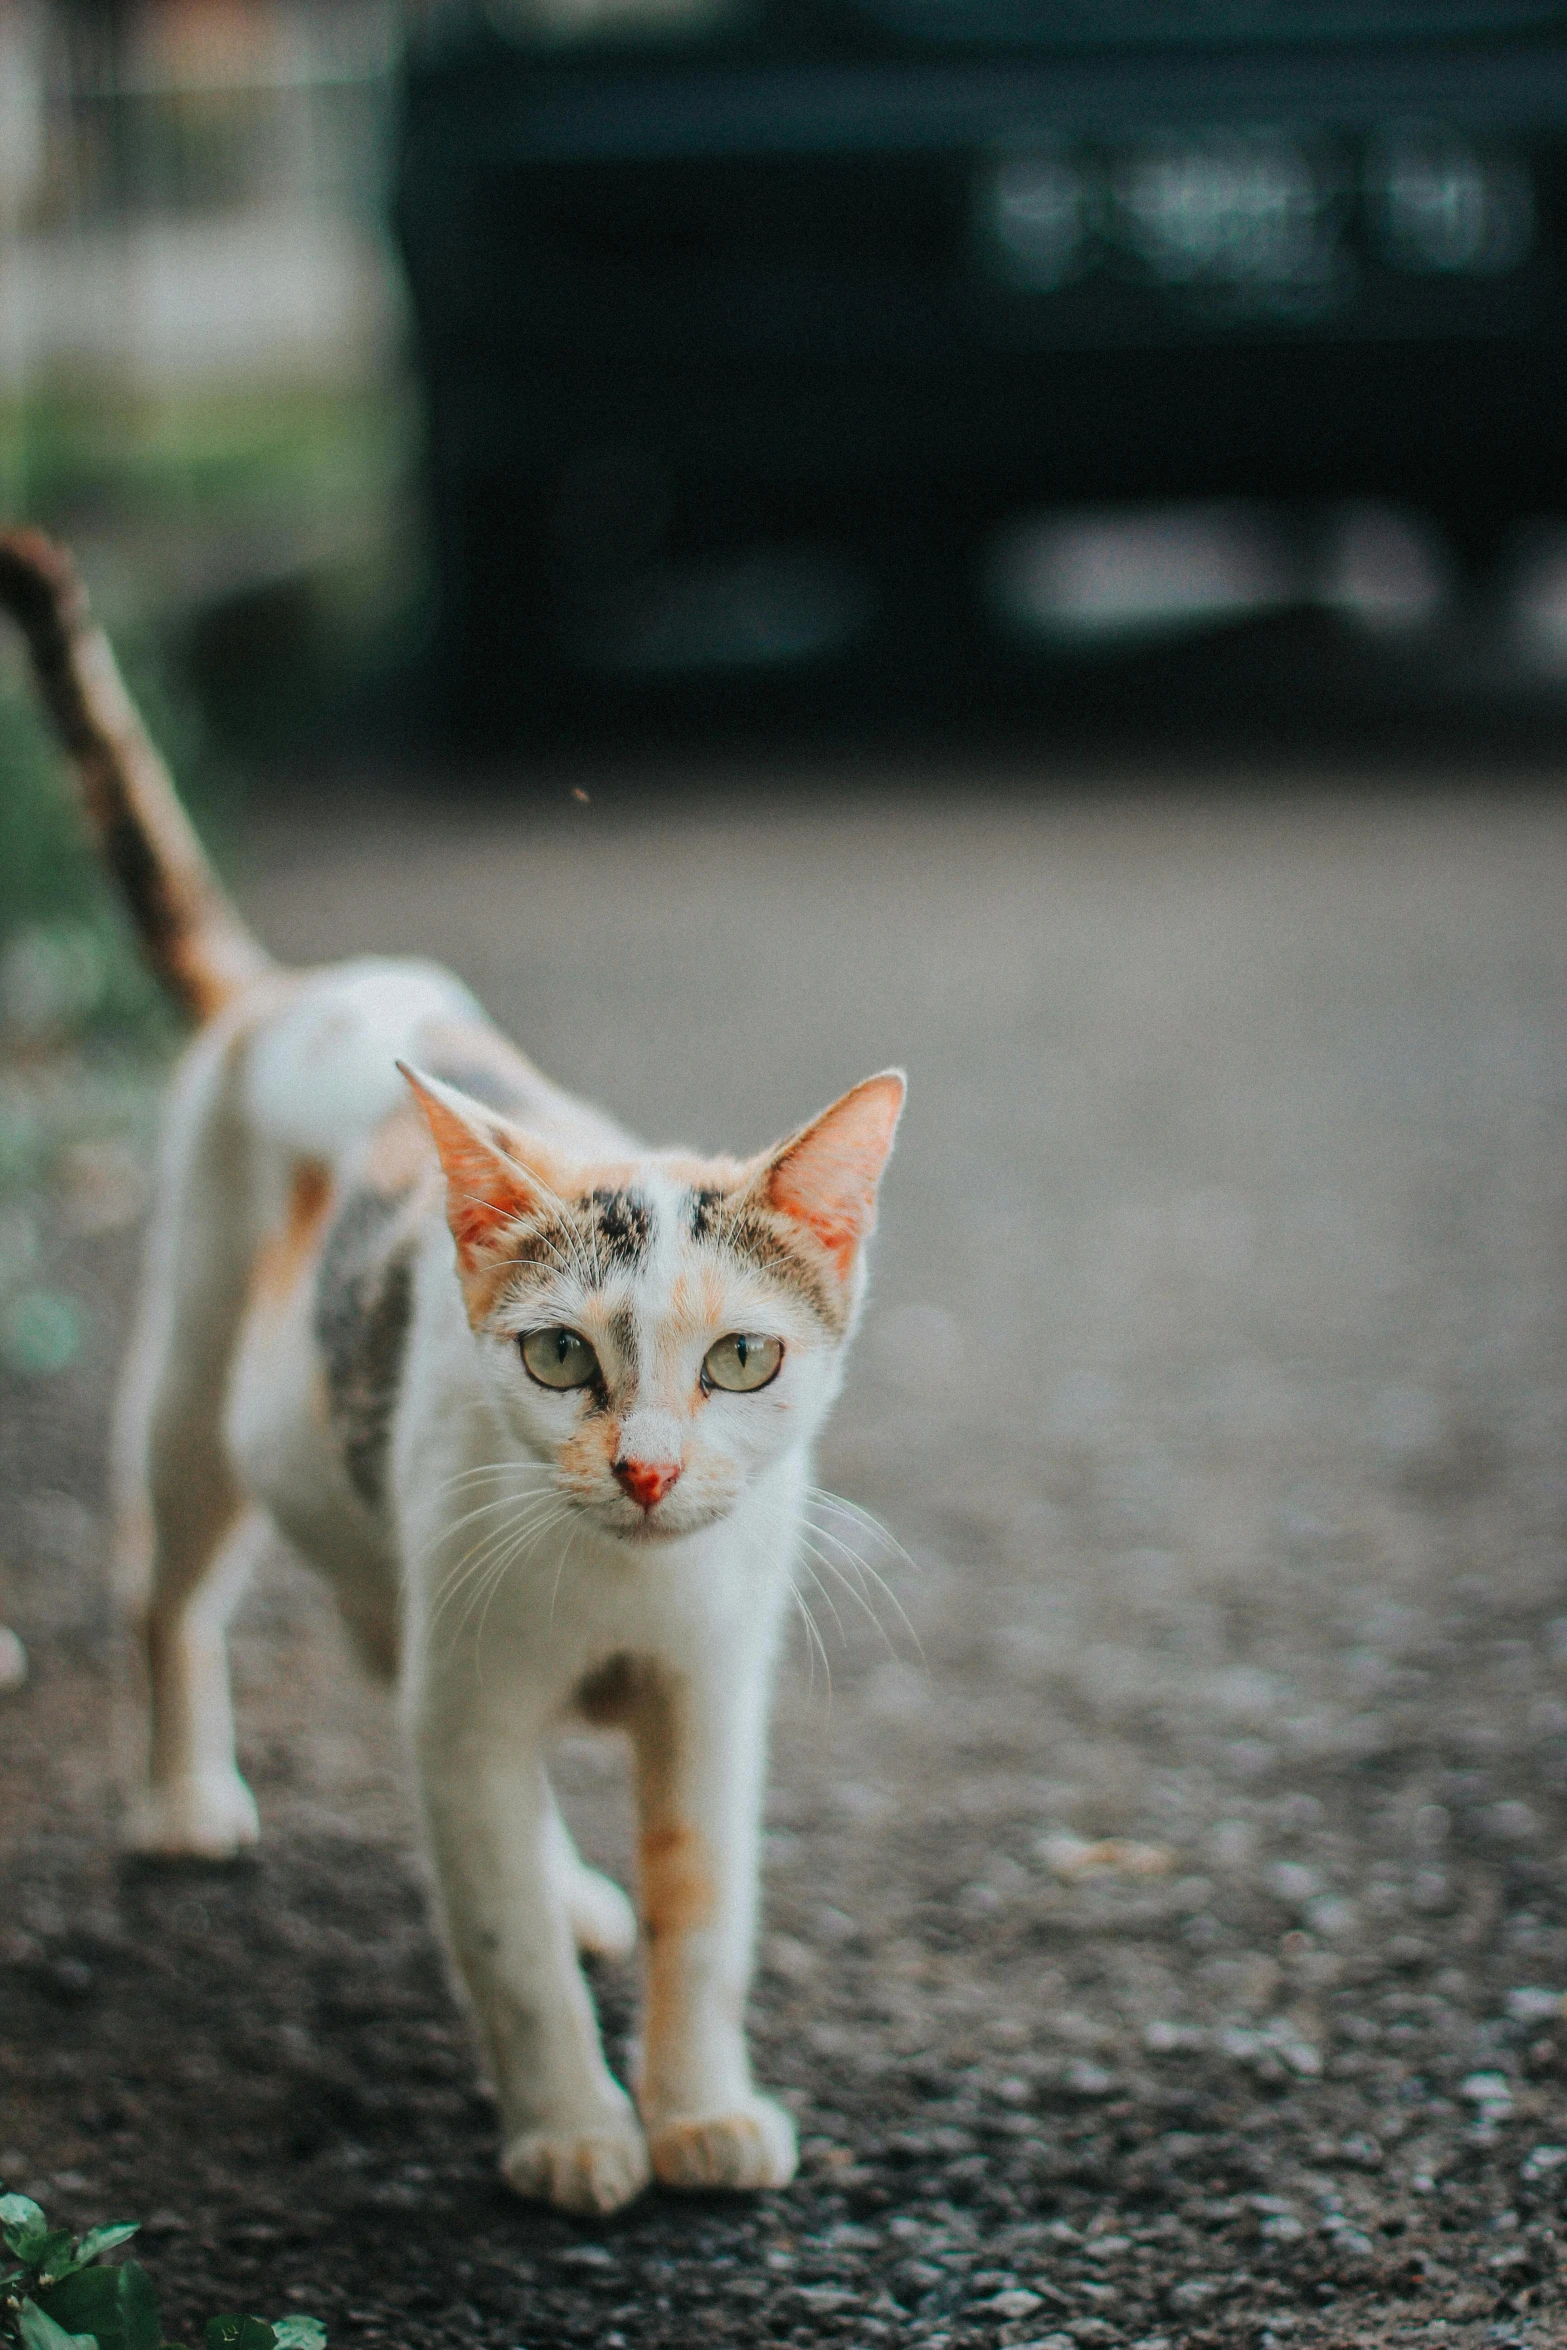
[[493, 1177]]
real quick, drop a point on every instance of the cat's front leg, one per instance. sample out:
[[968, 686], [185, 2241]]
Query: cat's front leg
[[700, 1741], [571, 2134]]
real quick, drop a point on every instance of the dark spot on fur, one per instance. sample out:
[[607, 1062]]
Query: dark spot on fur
[[623, 1331], [607, 1694], [620, 1226], [706, 1213], [363, 1307]]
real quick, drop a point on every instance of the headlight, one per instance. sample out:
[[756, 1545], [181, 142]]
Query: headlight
[[1034, 215], [1438, 205], [1242, 209]]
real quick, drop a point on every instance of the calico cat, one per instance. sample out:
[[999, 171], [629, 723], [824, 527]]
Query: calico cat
[[539, 1403]]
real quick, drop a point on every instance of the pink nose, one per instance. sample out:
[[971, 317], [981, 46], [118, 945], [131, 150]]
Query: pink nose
[[647, 1482]]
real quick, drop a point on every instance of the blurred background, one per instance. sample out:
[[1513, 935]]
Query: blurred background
[[510, 368]]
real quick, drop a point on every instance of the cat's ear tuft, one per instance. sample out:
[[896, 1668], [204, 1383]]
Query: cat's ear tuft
[[825, 1176], [491, 1181]]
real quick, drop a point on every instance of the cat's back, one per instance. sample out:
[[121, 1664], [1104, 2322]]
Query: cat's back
[[321, 1072]]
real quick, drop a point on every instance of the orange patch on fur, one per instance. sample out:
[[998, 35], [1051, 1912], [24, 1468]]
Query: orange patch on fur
[[826, 1178], [284, 1256], [586, 1456], [677, 1884], [487, 1188]]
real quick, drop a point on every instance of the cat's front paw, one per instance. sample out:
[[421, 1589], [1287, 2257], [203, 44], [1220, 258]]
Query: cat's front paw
[[206, 1817], [584, 2171], [753, 2145]]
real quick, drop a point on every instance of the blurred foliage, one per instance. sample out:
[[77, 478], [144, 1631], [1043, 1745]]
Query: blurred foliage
[[83, 1024], [95, 448], [244, 553], [68, 959]]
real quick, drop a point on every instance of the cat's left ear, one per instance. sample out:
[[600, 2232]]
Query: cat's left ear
[[495, 1176], [825, 1177]]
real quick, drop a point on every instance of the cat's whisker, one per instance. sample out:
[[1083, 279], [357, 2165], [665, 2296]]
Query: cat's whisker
[[561, 1569], [856, 1561], [504, 1567], [827, 1598], [821, 1497], [852, 1591], [864, 1569], [493, 1579], [482, 1582], [488, 1509], [474, 1565], [522, 1491], [490, 1470], [814, 1645], [516, 1505], [497, 1543]]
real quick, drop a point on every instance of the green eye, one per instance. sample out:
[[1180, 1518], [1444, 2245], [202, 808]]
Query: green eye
[[558, 1357], [742, 1362]]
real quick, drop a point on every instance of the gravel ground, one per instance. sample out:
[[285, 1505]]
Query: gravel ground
[[1165, 1932]]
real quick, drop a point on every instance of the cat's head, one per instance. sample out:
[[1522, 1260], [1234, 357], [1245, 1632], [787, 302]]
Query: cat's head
[[662, 1328]]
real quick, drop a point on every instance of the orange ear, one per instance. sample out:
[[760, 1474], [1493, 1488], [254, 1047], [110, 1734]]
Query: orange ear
[[491, 1179], [826, 1177]]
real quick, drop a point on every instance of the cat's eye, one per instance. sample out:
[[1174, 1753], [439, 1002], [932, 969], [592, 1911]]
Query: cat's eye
[[558, 1357], [741, 1362]]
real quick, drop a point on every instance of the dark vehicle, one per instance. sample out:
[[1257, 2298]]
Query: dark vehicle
[[748, 327]]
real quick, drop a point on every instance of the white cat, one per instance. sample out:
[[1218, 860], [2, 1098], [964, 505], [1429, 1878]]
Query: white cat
[[538, 1401]]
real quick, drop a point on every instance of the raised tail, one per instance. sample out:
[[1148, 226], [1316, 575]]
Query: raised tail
[[189, 926]]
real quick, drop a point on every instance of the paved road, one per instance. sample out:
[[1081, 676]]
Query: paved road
[[1215, 1382]]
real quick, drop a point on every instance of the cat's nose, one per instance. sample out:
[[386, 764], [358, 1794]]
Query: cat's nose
[[647, 1482]]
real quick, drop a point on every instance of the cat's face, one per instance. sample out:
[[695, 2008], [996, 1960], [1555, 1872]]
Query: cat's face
[[660, 1330]]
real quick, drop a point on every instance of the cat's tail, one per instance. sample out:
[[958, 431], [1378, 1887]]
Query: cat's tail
[[189, 926]]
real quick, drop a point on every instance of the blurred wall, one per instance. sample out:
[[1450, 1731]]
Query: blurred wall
[[191, 190]]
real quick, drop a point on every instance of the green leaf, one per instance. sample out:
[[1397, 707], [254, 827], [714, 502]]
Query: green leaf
[[240, 2333], [53, 2253], [38, 2332], [141, 2328], [25, 2227], [299, 2333], [87, 2302], [98, 2241]]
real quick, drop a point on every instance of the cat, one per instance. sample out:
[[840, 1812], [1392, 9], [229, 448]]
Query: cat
[[538, 1401]]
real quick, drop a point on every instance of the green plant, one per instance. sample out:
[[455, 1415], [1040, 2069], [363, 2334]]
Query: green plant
[[60, 2296]]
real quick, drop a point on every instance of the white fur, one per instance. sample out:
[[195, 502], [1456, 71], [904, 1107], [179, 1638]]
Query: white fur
[[493, 1582]]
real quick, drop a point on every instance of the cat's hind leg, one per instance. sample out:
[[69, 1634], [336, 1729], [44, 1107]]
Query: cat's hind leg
[[602, 1920], [195, 1802], [186, 1533]]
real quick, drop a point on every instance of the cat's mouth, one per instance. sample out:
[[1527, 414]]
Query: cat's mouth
[[643, 1529]]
